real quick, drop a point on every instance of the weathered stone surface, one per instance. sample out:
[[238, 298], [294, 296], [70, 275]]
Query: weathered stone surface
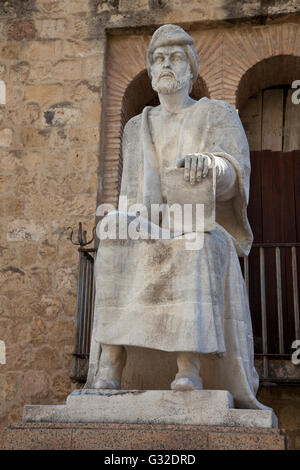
[[60, 383], [92, 67], [84, 48], [50, 28], [44, 93], [197, 407], [10, 51], [33, 137], [42, 51], [38, 331], [9, 388], [2, 97], [51, 306], [138, 436], [133, 5], [6, 137], [47, 358], [61, 332], [60, 114], [68, 70], [83, 137], [21, 229], [85, 91], [50, 7], [21, 30], [35, 385], [20, 71], [91, 112]]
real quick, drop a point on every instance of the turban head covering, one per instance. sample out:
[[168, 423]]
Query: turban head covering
[[173, 35]]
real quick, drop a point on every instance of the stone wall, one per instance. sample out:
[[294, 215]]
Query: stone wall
[[52, 147], [52, 66]]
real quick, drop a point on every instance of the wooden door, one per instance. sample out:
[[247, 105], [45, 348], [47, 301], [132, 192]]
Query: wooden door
[[273, 212], [272, 125]]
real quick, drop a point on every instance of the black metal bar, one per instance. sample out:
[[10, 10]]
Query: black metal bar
[[275, 245], [78, 313], [84, 306]]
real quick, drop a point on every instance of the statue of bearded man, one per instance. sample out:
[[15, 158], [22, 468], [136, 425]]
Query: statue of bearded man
[[155, 293]]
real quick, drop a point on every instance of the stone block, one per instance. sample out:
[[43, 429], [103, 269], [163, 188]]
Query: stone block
[[245, 441], [67, 70], [35, 439], [61, 114], [8, 387], [133, 5], [50, 28], [85, 91], [6, 137], [35, 385], [10, 51], [197, 407], [93, 67], [50, 7], [20, 30], [73, 7], [43, 93], [84, 47], [90, 436], [33, 137], [43, 51], [82, 137]]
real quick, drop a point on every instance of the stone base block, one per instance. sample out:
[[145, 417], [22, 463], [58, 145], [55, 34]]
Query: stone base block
[[197, 407], [56, 436]]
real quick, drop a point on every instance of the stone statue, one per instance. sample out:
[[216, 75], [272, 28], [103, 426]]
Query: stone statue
[[155, 293]]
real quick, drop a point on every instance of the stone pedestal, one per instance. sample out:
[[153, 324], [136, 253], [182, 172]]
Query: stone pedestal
[[197, 407], [152, 419], [74, 436]]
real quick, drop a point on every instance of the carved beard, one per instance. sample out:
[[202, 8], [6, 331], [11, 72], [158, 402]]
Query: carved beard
[[168, 85]]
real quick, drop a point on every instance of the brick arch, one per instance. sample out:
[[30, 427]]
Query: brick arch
[[245, 48], [276, 70]]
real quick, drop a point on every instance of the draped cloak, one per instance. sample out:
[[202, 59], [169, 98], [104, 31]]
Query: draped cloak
[[155, 293]]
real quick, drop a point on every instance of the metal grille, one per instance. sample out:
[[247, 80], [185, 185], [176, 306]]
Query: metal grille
[[84, 313], [285, 318]]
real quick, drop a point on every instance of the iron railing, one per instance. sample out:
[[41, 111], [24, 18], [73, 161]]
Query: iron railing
[[85, 304], [272, 343], [278, 318], [84, 313]]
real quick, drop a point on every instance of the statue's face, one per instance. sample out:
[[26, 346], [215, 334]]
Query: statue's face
[[170, 69]]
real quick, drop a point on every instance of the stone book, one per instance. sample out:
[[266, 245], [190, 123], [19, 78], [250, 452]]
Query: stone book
[[190, 198]]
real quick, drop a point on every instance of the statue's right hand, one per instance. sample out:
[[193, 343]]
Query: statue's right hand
[[196, 166]]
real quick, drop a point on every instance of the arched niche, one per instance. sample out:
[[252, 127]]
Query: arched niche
[[264, 99], [272, 71]]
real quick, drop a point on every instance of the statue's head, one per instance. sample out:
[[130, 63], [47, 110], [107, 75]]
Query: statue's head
[[172, 62]]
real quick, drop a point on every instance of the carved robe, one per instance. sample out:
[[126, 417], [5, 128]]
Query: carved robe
[[155, 293]]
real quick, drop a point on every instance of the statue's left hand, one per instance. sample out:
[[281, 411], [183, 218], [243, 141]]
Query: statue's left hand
[[196, 166]]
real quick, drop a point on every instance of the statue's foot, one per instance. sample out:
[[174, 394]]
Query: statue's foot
[[102, 383], [187, 382]]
